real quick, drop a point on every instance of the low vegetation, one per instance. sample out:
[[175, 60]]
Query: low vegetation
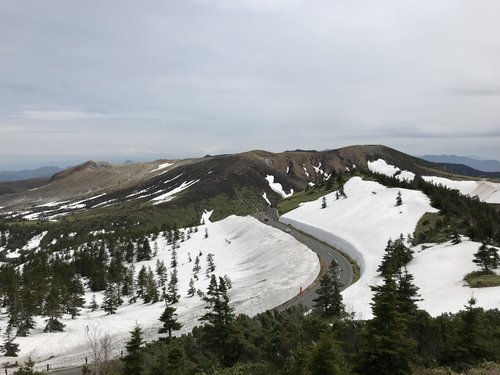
[[482, 279]]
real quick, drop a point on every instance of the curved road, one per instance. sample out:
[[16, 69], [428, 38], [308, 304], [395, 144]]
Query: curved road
[[326, 254]]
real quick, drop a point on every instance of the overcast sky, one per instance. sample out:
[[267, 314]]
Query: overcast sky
[[117, 80]]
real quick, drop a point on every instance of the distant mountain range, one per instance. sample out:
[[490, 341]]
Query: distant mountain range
[[481, 165], [28, 173]]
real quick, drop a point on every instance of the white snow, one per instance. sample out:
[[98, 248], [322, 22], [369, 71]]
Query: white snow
[[305, 171], [161, 166], [169, 195], [205, 217], [360, 225], [439, 272], [34, 242], [486, 191], [276, 186], [266, 266], [264, 195], [381, 166]]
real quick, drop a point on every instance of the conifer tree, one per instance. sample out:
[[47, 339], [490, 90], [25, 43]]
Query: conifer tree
[[210, 264], [329, 300], [197, 266], [397, 255], [93, 304], [9, 347], [110, 303], [327, 357], [133, 362], [399, 199], [53, 310], [151, 292], [75, 297], [487, 258], [388, 349], [161, 272], [323, 202], [173, 287], [169, 320], [192, 289], [142, 281], [173, 258]]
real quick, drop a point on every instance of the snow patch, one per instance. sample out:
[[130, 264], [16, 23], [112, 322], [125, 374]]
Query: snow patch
[[264, 195], [276, 186], [161, 166], [486, 191], [381, 166], [168, 196]]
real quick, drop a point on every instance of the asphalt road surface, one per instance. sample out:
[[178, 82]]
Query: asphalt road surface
[[326, 254]]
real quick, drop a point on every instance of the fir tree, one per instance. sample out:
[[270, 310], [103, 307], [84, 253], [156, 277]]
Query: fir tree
[[197, 266], [173, 287], [210, 264], [93, 304], [169, 320], [144, 251], [323, 202], [133, 361], [329, 300], [327, 357], [151, 292], [75, 297], [487, 258], [9, 347], [110, 303], [142, 281], [192, 290], [53, 310], [399, 199], [173, 258], [397, 255], [388, 350], [161, 272]]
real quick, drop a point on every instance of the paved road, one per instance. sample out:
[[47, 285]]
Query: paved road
[[326, 254]]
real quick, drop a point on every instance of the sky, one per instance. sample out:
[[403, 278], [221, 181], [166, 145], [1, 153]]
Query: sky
[[124, 80]]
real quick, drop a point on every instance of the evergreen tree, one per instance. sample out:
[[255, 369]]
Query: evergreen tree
[[176, 360], [9, 347], [151, 292], [192, 289], [53, 310], [75, 297], [399, 199], [133, 362], [144, 251], [323, 202], [110, 303], [326, 357], [173, 258], [27, 369], [210, 264], [455, 240], [396, 256], [487, 258], [161, 272], [170, 323], [93, 304], [197, 266], [129, 252], [388, 350], [173, 287], [329, 300], [142, 281]]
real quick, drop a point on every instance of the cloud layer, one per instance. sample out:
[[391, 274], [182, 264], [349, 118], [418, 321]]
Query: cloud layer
[[178, 78]]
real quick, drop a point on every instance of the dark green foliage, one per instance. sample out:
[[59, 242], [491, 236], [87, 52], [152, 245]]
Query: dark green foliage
[[53, 309], [133, 361], [397, 255], [327, 358], [487, 258], [74, 297], [329, 300], [111, 300], [169, 320], [27, 369], [9, 347], [173, 288], [144, 251]]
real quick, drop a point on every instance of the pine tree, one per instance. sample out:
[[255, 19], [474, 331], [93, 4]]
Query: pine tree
[[197, 266], [210, 264], [175, 360], [396, 256], [75, 297], [323, 202], [399, 199], [192, 289], [487, 258], [142, 281], [53, 310], [173, 287], [388, 350], [9, 347], [173, 258], [329, 300], [133, 361], [144, 251], [110, 303], [161, 272], [93, 304], [169, 320], [151, 292], [327, 357]]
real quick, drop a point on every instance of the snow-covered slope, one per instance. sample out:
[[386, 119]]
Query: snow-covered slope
[[381, 166], [439, 271], [486, 191], [361, 225], [266, 266]]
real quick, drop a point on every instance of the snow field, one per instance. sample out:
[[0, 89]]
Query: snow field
[[275, 186], [266, 266], [360, 225], [381, 166], [486, 191], [439, 271]]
